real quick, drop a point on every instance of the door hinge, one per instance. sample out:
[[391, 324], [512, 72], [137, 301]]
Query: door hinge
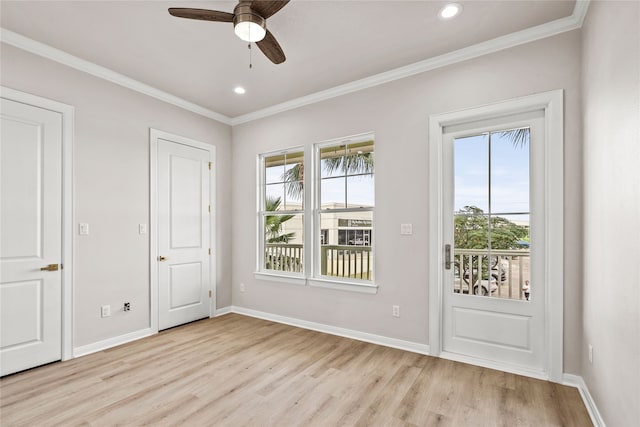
[[210, 294], [209, 165], [209, 251], [209, 208]]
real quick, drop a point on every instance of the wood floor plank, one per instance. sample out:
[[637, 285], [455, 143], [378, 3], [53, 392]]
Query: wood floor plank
[[240, 371]]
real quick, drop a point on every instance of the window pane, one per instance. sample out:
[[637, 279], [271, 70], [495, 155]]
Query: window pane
[[332, 161], [347, 252], [274, 168], [294, 178], [332, 193], [274, 197], [359, 158], [511, 256], [470, 253], [471, 172], [360, 191], [510, 171], [284, 242], [294, 195]]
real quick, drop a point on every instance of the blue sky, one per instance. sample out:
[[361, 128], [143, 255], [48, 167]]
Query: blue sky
[[509, 175]]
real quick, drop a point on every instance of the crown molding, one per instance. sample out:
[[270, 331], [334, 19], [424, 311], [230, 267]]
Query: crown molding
[[569, 23], [580, 11], [549, 29], [49, 52]]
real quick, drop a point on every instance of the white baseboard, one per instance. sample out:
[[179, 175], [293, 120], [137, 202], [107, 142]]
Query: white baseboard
[[334, 330], [112, 342], [222, 311], [577, 382]]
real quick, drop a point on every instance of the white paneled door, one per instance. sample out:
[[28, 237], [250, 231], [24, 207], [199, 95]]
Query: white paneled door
[[184, 286], [31, 236], [494, 294]]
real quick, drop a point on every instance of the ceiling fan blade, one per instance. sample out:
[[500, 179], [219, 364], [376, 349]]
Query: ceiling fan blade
[[271, 48], [201, 14], [267, 8]]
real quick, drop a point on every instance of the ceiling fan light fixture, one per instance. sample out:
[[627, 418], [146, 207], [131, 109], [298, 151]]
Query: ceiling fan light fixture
[[247, 25]]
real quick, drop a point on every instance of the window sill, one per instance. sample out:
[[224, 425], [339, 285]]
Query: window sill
[[362, 288], [292, 280], [343, 286]]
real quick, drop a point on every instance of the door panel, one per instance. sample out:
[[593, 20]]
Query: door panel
[[490, 327], [492, 205], [186, 285], [31, 202], [183, 234]]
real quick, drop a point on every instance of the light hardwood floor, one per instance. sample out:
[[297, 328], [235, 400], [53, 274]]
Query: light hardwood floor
[[235, 370]]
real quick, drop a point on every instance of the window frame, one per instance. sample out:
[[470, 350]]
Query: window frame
[[311, 221], [316, 278], [298, 278]]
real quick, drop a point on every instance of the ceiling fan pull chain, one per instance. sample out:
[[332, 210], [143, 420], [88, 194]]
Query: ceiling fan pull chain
[[250, 64]]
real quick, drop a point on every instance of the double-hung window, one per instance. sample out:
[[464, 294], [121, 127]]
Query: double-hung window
[[281, 213], [341, 211]]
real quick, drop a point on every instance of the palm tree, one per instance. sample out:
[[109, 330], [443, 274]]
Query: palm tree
[[273, 223], [518, 137], [358, 163]]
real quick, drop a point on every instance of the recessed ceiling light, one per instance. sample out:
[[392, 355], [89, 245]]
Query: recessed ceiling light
[[239, 90], [450, 10]]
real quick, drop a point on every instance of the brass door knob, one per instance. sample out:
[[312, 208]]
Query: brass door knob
[[162, 258], [50, 267]]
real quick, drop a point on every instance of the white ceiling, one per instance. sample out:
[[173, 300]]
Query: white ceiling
[[327, 43]]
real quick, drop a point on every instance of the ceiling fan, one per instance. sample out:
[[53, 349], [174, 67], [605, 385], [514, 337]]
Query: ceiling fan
[[249, 21]]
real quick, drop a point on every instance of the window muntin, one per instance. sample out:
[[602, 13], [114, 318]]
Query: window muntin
[[346, 174], [282, 212], [344, 206], [492, 214]]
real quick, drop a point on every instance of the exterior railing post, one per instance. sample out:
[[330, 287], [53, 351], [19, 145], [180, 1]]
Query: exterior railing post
[[323, 260]]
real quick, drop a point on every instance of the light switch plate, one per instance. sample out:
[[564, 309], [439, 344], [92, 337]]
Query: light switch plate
[[83, 229], [406, 229], [142, 228]]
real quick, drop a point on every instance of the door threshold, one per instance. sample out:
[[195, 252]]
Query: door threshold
[[498, 366]]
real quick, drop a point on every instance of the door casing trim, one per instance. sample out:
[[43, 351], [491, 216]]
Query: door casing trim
[[154, 136], [67, 273], [551, 103]]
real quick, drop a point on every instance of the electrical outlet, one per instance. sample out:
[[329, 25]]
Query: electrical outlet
[[242, 288], [590, 353], [127, 306], [395, 311], [106, 311]]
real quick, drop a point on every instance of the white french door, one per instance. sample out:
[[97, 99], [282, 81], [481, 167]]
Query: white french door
[[496, 244], [183, 233], [31, 242], [492, 308]]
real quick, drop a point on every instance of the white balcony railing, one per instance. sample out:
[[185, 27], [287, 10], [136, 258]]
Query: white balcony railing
[[284, 257], [506, 276], [345, 261]]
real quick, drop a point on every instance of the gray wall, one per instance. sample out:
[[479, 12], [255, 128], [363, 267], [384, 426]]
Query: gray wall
[[398, 113], [611, 106], [111, 176]]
